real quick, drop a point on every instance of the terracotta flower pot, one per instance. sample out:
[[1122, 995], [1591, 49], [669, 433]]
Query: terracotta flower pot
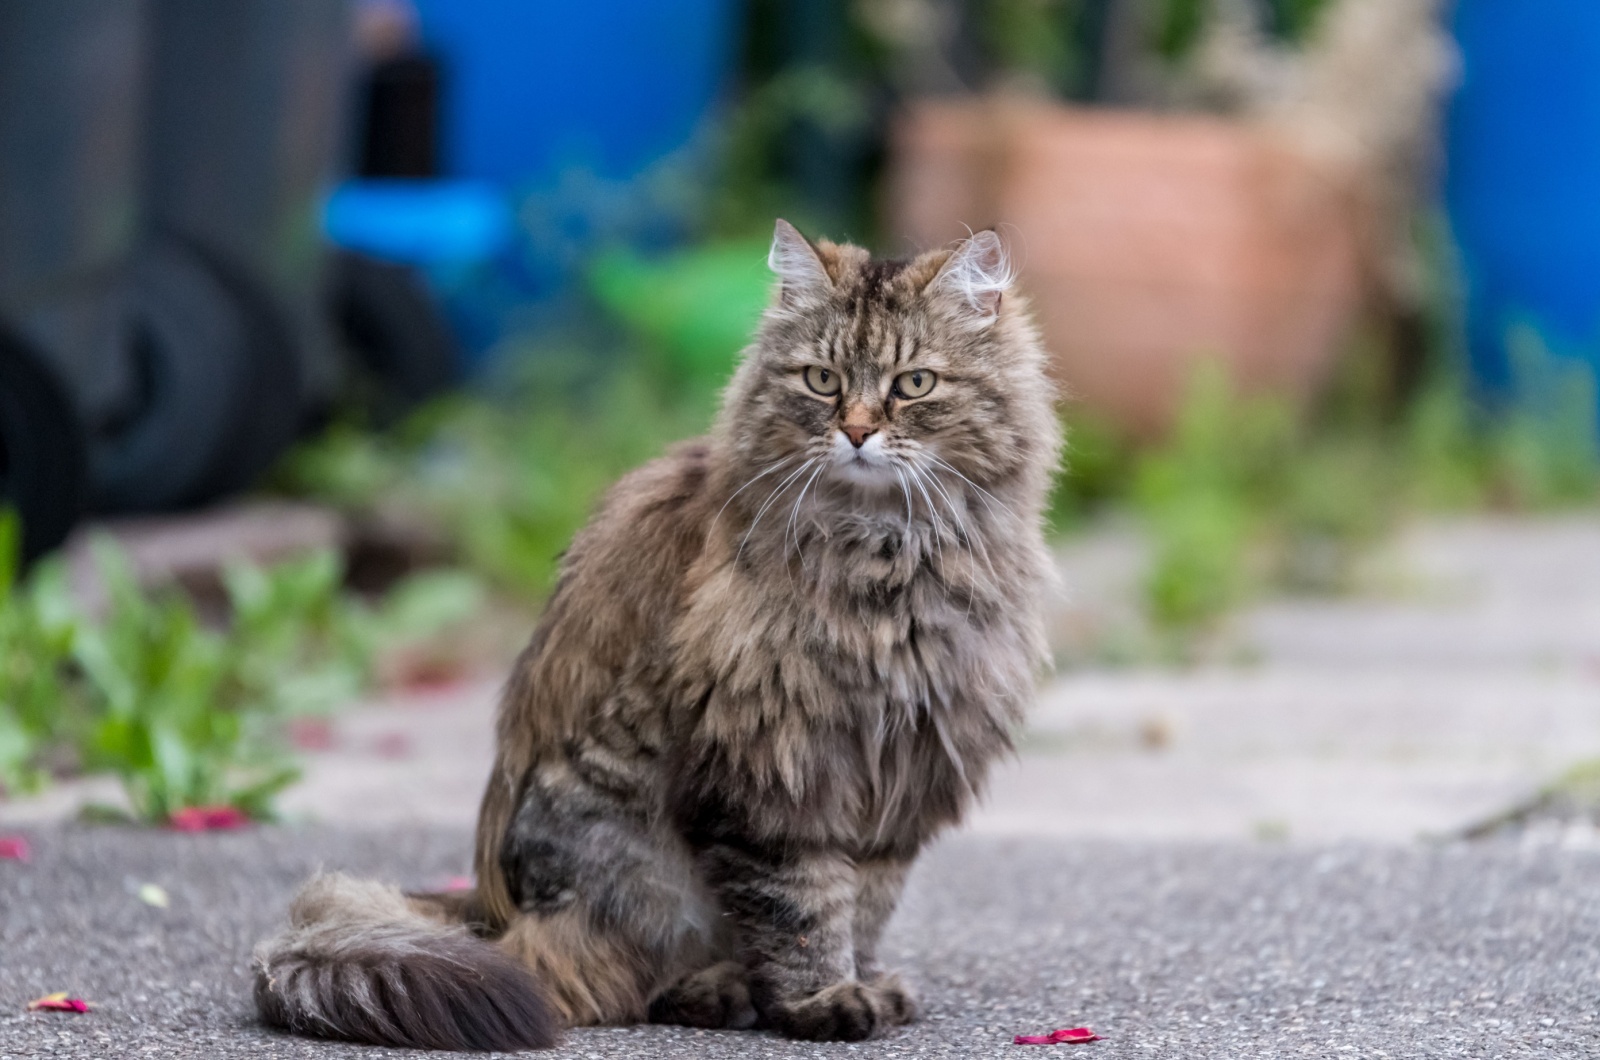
[[1146, 242]]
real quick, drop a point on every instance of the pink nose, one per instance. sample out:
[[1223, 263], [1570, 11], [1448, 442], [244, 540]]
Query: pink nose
[[858, 433]]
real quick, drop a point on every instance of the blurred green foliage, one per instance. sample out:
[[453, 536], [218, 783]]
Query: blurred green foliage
[[182, 712], [510, 478], [38, 624], [691, 312], [1247, 493], [1178, 25]]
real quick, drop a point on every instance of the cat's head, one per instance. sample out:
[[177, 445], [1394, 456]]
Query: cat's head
[[872, 373]]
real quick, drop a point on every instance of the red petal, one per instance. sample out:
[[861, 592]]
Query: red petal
[[426, 676], [207, 819], [1064, 1036], [311, 734], [188, 819], [225, 817], [15, 848], [58, 1003]]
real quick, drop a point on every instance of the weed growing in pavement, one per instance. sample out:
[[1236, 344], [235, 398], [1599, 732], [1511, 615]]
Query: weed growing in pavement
[[38, 627], [1246, 494], [183, 713]]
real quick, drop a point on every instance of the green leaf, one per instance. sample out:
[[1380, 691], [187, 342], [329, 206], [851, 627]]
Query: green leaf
[[10, 552]]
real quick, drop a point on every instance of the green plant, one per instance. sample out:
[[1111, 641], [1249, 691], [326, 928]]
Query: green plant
[[1179, 25], [1547, 453], [1201, 495], [1097, 465], [184, 713], [37, 627], [693, 310], [178, 717], [1247, 492]]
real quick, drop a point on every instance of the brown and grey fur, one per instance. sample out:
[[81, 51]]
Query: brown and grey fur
[[769, 674]]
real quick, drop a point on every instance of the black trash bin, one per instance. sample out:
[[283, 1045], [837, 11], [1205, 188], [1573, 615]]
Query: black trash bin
[[242, 134], [71, 78]]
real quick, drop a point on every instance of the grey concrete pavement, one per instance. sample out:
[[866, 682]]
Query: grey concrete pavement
[[1235, 951]]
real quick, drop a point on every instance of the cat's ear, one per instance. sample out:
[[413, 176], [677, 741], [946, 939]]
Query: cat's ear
[[800, 270], [976, 277]]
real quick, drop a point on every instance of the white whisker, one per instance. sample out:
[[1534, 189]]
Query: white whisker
[[964, 534], [905, 492], [977, 547], [761, 475], [794, 516], [933, 512], [771, 497], [983, 494]]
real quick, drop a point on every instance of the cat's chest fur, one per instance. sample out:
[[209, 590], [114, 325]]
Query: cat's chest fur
[[853, 681]]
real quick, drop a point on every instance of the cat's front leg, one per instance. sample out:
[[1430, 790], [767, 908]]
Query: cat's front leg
[[795, 912], [879, 882]]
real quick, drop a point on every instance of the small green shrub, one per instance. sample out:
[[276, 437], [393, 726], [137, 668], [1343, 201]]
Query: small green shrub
[[693, 311], [1247, 479], [185, 714], [182, 715], [38, 625], [1547, 453]]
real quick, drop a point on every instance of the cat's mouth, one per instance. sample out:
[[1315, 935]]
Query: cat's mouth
[[867, 465]]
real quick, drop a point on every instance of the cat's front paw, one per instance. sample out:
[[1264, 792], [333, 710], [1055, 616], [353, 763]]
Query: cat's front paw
[[898, 1000], [846, 1012], [712, 998]]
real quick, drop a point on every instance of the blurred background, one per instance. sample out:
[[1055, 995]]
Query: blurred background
[[324, 322]]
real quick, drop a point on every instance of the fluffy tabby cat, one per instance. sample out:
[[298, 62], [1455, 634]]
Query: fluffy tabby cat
[[778, 661]]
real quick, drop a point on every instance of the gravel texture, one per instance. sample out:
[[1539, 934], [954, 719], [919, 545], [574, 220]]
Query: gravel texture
[[1207, 950]]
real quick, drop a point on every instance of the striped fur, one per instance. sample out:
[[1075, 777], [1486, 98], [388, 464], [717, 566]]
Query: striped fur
[[360, 962], [775, 665]]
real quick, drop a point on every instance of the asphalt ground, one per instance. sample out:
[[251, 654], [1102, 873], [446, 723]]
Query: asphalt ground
[[1227, 950]]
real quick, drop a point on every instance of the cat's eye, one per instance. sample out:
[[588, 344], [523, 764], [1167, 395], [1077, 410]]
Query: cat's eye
[[914, 384], [824, 381]]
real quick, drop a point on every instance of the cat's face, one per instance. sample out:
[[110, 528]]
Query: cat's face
[[889, 376]]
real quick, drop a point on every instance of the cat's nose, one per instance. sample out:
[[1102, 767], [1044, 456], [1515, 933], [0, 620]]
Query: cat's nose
[[858, 433]]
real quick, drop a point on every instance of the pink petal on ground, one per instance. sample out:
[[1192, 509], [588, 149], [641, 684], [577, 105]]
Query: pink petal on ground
[[15, 848], [458, 883], [59, 1002], [188, 819], [431, 676], [311, 734], [1064, 1036], [207, 819], [225, 817]]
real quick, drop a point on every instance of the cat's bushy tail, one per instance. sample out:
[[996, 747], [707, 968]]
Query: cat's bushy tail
[[359, 961]]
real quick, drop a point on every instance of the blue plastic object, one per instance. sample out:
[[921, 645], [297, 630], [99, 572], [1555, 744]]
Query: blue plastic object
[[1523, 183], [426, 223], [538, 86]]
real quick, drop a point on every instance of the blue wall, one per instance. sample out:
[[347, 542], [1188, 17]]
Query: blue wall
[[1523, 183], [535, 86]]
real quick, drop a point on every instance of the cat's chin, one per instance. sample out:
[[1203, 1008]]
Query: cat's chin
[[864, 473]]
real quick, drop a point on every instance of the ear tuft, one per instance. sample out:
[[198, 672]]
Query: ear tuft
[[978, 273], [795, 260]]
